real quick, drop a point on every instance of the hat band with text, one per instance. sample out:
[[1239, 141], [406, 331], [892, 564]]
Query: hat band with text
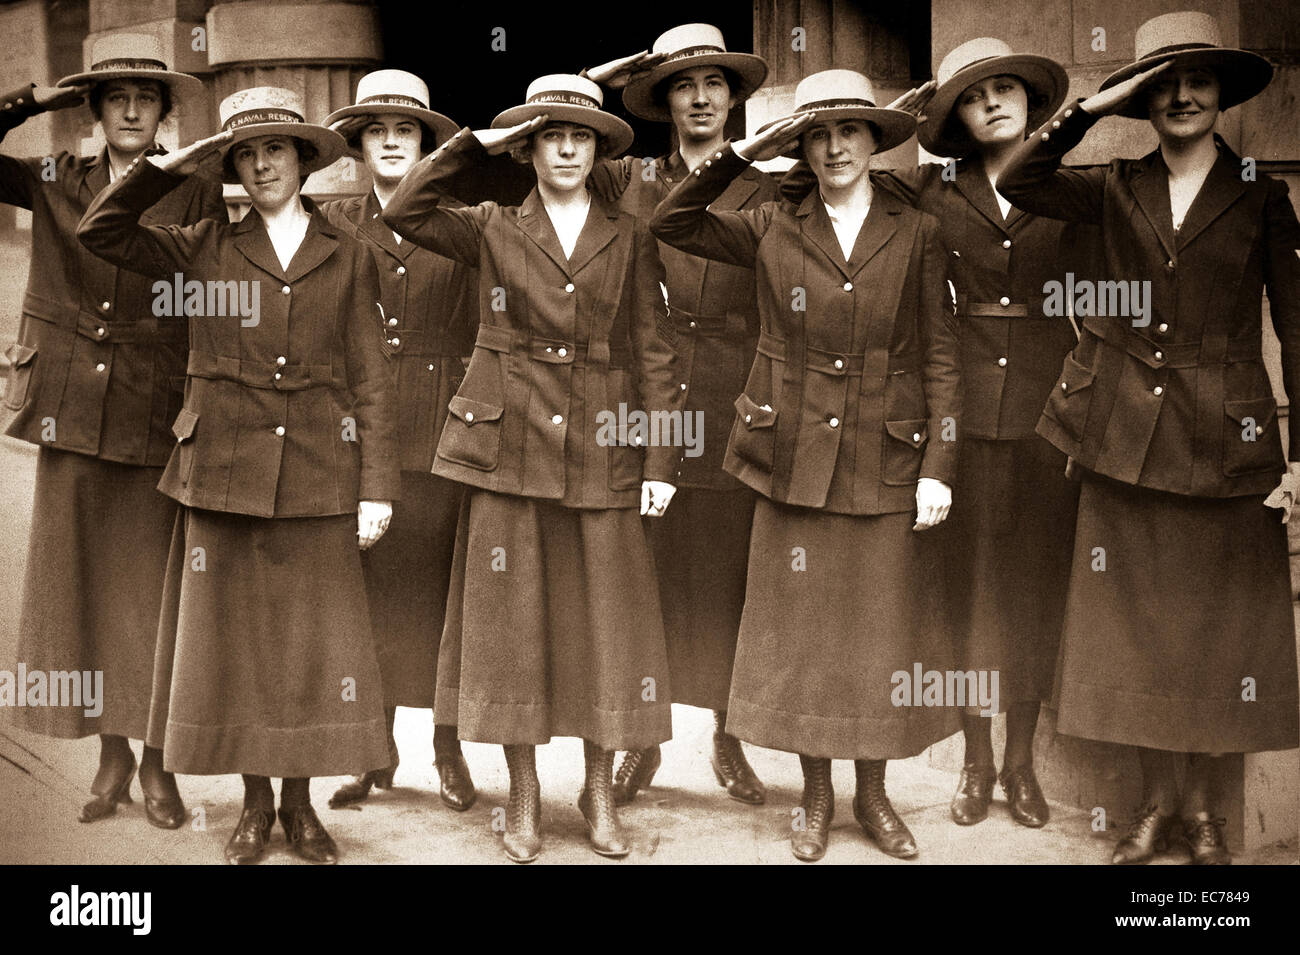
[[835, 104], [128, 65], [693, 51], [250, 117], [393, 99], [568, 99], [1179, 48]]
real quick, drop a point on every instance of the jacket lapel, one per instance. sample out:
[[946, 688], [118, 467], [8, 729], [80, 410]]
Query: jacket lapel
[[737, 194], [973, 183], [254, 244], [94, 177], [374, 228], [815, 224], [317, 245], [1222, 187], [597, 232], [880, 223], [536, 224], [1150, 184]]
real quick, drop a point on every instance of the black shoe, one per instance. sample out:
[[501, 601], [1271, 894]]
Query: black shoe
[[1148, 834], [306, 836], [252, 833], [974, 793], [163, 806], [875, 813], [1205, 839], [105, 803], [1028, 807], [360, 786], [455, 785], [733, 772], [635, 773]]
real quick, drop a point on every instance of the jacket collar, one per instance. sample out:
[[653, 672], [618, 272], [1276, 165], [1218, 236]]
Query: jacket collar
[[880, 224], [318, 244], [597, 232], [370, 223], [672, 170], [1222, 187], [972, 181]]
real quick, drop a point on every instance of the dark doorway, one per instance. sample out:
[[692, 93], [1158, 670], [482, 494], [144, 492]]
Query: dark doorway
[[450, 47]]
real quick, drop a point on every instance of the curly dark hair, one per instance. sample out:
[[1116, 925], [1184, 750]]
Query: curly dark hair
[[96, 98]]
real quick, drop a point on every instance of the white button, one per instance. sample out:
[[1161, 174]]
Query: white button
[[99, 367], [557, 419], [1162, 328], [1068, 113], [748, 418], [562, 352], [392, 321], [839, 363], [106, 306], [848, 286], [1045, 137], [100, 331], [1160, 356], [1056, 124], [279, 431], [916, 437], [549, 349], [1064, 386], [469, 416], [278, 376], [692, 325], [395, 341], [1157, 391], [280, 361], [401, 270], [431, 368], [834, 422], [1002, 362], [1006, 243], [284, 289], [1004, 301], [569, 287], [683, 386]]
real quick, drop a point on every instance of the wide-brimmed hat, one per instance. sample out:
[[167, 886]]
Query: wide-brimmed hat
[[944, 134], [1192, 39], [569, 98], [274, 111], [132, 56], [846, 94], [689, 46], [394, 91]]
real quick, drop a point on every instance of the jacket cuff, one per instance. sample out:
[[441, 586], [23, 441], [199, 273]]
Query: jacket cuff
[[143, 184], [940, 460], [1066, 129], [661, 464], [380, 484]]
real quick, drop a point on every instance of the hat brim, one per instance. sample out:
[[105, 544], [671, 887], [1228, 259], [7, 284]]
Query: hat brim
[[943, 136], [896, 126], [330, 146], [1242, 75], [182, 85], [638, 95], [618, 134], [441, 126]]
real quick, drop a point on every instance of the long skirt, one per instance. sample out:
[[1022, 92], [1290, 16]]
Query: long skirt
[[1179, 631], [701, 548], [92, 591], [1008, 562], [553, 627], [266, 662], [841, 615], [407, 574]]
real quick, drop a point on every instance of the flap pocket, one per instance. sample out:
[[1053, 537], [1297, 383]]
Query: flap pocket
[[913, 431], [473, 412], [19, 354], [753, 415], [1257, 412], [1074, 376], [183, 426], [1252, 442]]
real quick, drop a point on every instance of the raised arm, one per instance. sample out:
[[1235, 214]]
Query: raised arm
[[18, 177], [684, 221]]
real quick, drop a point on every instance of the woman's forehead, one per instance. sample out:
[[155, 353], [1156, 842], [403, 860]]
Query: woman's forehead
[[563, 127], [132, 86]]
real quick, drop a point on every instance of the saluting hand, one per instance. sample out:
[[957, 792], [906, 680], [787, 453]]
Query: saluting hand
[[497, 141], [372, 521], [915, 100], [933, 499], [618, 73], [773, 141], [1113, 99], [655, 496], [185, 162], [60, 97]]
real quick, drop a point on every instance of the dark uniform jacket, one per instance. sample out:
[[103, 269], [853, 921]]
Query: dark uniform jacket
[[854, 393], [559, 342], [429, 318], [295, 415], [94, 369], [714, 309], [1183, 404]]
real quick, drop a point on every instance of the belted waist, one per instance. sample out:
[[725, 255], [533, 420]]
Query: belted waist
[[549, 350], [1212, 349], [828, 362], [424, 343], [124, 331], [731, 326], [269, 375], [993, 309]]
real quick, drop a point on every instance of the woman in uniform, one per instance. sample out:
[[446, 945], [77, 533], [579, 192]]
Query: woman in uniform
[[848, 431], [94, 382], [553, 625], [284, 460], [1179, 636], [429, 311]]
